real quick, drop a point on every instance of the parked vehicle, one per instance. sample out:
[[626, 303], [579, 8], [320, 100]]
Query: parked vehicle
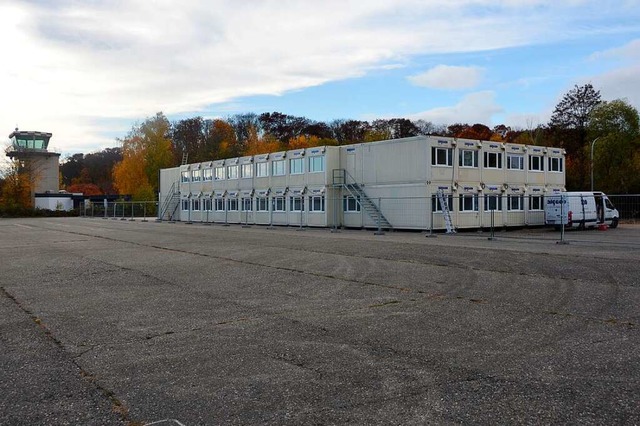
[[580, 210]]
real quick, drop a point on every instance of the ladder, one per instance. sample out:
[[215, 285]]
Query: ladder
[[185, 156], [444, 206]]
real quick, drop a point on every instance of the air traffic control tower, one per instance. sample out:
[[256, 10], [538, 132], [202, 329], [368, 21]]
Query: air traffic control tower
[[30, 148]]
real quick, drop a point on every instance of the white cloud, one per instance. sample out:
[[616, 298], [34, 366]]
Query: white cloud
[[477, 107], [622, 83], [69, 64], [448, 77], [630, 51]]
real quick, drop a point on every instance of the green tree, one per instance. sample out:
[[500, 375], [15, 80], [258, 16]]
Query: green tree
[[616, 126], [568, 127]]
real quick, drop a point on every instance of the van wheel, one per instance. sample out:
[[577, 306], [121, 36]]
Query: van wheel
[[614, 223], [582, 226]]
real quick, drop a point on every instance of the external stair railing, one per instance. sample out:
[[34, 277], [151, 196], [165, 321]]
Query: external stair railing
[[342, 179]]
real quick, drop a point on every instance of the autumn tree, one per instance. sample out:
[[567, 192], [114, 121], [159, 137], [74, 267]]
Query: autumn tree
[[428, 128], [349, 131], [188, 137], [145, 151], [477, 131], [243, 126], [84, 188], [16, 187], [263, 145], [221, 140]]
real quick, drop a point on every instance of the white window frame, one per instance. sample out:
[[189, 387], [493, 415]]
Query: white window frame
[[316, 203], [207, 205], [207, 175], [232, 172], [497, 202], [540, 199], [277, 168], [246, 204], [435, 203], [219, 173], [296, 203], [185, 205], [351, 204], [555, 164], [232, 204], [296, 166], [515, 203], [262, 204], [462, 203], [184, 176], [195, 175], [435, 157], [462, 161], [540, 167], [246, 171], [219, 205], [279, 204], [262, 169], [316, 164], [519, 163], [195, 204], [488, 155]]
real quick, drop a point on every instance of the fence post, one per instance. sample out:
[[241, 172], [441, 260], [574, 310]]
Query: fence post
[[246, 214], [379, 231], [91, 209], [114, 211], [124, 205], [144, 212], [132, 219], [336, 203], [431, 234], [226, 211], [563, 198], [270, 201], [301, 212], [207, 221], [492, 237]]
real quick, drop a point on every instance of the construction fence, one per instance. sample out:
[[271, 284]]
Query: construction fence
[[467, 211]]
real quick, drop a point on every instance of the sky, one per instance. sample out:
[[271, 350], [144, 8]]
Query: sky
[[87, 71]]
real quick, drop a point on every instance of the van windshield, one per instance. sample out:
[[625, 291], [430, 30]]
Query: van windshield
[[608, 204]]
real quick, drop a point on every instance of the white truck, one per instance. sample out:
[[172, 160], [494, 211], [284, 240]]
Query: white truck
[[580, 210]]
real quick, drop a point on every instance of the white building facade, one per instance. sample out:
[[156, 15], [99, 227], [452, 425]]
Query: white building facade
[[388, 184]]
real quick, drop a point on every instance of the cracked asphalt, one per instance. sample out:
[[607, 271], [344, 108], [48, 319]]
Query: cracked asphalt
[[127, 322]]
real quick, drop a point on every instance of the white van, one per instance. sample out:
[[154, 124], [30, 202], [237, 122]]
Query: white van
[[580, 210]]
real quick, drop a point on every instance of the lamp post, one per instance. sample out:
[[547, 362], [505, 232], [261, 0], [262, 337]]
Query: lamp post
[[592, 145]]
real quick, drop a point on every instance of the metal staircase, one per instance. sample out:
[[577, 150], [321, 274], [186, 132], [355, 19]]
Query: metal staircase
[[170, 204], [342, 178], [444, 206]]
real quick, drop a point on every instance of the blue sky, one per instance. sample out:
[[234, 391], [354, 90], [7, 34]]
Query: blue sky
[[88, 71]]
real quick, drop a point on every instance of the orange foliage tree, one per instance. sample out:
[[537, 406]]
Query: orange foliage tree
[[145, 151], [16, 187], [84, 188]]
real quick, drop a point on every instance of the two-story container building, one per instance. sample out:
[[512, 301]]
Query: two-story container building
[[391, 184]]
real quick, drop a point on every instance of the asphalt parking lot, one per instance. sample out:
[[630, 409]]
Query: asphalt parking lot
[[128, 322]]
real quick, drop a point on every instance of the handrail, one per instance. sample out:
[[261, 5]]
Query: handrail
[[167, 201]]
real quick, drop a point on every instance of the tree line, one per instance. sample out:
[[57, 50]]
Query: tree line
[[580, 118]]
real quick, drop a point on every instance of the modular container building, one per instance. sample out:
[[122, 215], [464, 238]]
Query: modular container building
[[389, 184]]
